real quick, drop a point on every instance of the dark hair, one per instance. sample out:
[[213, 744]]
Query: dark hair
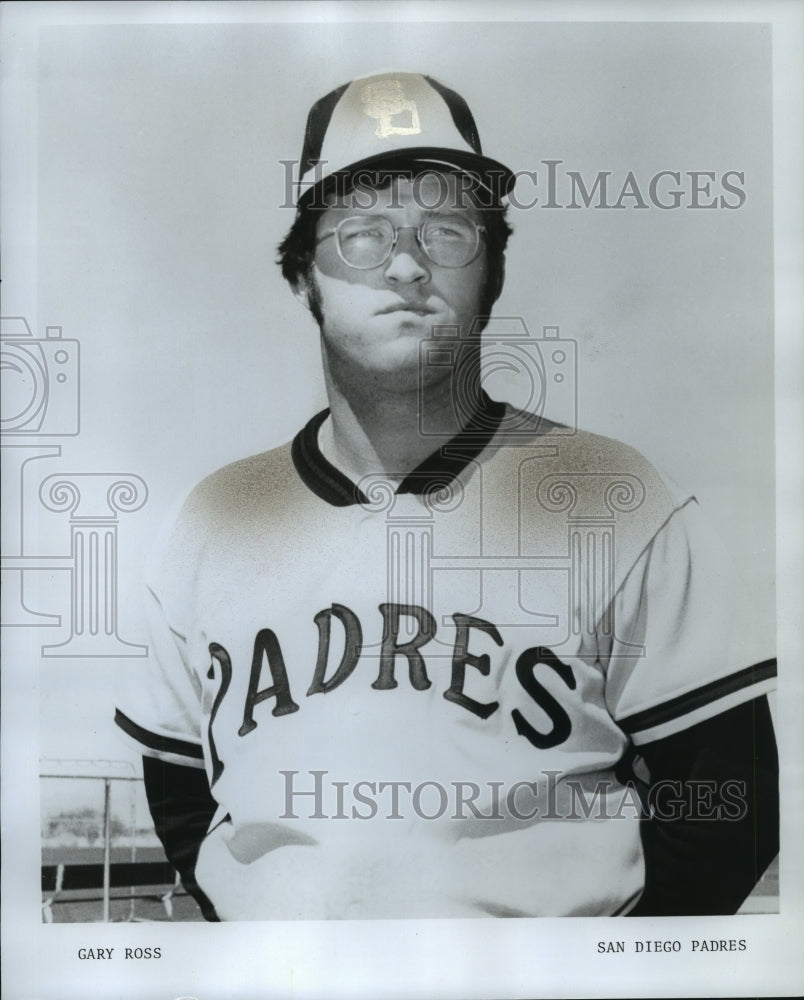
[[297, 249]]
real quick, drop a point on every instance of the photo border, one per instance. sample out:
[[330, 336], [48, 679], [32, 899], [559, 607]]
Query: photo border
[[477, 958]]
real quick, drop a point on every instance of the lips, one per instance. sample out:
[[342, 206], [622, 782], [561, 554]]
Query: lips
[[419, 308]]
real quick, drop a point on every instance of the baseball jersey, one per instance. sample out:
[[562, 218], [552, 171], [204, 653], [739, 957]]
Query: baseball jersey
[[411, 698]]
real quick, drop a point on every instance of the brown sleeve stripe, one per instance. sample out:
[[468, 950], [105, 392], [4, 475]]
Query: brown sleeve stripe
[[165, 744], [692, 700]]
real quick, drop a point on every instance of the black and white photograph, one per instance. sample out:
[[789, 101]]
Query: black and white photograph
[[401, 465]]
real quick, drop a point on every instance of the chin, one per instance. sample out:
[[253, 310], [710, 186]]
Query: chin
[[399, 364], [389, 347]]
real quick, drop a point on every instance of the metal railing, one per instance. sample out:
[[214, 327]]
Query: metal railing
[[107, 772]]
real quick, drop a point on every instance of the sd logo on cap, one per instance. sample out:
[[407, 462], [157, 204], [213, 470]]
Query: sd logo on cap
[[390, 120]]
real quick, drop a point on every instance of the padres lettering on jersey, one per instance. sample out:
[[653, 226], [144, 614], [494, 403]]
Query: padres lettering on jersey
[[495, 630], [268, 653]]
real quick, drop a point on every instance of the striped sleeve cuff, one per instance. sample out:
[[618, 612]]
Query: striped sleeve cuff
[[167, 747], [699, 704]]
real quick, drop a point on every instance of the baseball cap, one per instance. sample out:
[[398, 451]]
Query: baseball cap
[[392, 120]]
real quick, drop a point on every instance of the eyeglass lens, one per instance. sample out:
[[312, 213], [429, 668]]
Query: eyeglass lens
[[366, 242]]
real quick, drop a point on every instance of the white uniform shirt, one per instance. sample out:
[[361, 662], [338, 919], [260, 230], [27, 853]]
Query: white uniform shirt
[[413, 705]]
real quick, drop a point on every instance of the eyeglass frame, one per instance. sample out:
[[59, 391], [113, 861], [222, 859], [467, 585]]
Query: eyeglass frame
[[397, 229]]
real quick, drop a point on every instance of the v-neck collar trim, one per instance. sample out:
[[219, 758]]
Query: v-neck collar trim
[[434, 473]]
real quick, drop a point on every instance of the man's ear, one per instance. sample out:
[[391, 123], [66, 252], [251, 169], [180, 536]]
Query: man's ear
[[306, 292], [302, 292]]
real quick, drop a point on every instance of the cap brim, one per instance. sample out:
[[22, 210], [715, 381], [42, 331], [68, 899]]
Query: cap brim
[[494, 176]]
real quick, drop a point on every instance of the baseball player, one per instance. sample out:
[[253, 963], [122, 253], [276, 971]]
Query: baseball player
[[438, 656]]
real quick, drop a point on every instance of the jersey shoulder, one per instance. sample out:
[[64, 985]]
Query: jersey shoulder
[[581, 482], [258, 482], [240, 498], [587, 461]]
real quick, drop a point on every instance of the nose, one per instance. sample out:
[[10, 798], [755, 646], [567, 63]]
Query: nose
[[407, 263]]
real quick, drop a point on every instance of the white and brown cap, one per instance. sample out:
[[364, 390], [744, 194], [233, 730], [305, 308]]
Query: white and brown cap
[[392, 120]]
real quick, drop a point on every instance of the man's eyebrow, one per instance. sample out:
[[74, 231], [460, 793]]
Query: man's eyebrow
[[449, 212], [445, 213]]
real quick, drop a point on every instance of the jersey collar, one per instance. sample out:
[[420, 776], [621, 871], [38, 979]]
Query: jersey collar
[[435, 472]]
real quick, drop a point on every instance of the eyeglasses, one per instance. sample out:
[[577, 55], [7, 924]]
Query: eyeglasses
[[367, 241]]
